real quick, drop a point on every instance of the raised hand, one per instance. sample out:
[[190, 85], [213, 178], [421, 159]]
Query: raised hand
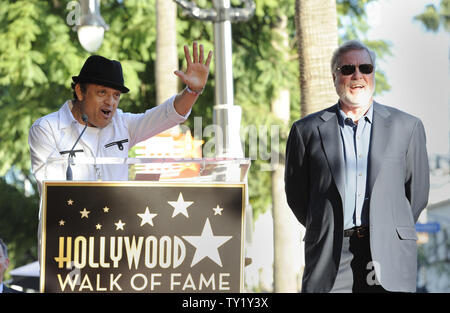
[[197, 72]]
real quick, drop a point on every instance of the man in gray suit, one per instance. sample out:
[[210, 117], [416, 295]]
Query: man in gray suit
[[357, 178]]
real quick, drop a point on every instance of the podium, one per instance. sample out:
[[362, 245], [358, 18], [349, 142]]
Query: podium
[[176, 225]]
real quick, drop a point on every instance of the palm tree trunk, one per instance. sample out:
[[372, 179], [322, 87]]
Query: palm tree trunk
[[166, 50], [166, 54], [285, 227], [287, 253], [317, 38], [316, 25]]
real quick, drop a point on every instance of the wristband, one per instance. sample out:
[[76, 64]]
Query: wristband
[[197, 93]]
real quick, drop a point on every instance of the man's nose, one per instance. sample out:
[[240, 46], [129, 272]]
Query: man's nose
[[357, 74], [110, 100]]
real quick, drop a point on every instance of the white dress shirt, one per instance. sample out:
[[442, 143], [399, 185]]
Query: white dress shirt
[[57, 132]]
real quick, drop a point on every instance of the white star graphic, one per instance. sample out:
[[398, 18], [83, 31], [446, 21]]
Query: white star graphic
[[207, 245], [85, 213], [147, 217], [217, 210], [180, 206], [119, 225]]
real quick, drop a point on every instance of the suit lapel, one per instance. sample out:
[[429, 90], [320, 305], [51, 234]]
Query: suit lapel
[[379, 138], [332, 145]]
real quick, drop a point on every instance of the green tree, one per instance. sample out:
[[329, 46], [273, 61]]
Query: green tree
[[435, 17], [18, 223]]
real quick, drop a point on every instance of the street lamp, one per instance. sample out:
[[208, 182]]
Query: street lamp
[[226, 115], [91, 27]]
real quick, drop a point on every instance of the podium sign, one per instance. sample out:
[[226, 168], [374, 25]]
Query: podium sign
[[142, 237]]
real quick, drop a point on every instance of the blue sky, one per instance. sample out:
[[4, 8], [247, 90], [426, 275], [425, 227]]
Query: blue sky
[[419, 69]]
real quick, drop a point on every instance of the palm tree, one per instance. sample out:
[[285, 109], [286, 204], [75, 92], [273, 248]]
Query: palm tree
[[166, 54], [317, 38], [433, 18], [166, 50], [285, 226], [316, 25]]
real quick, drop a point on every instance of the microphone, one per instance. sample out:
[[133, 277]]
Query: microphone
[[349, 122], [69, 175]]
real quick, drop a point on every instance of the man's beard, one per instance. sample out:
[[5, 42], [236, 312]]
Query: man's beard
[[359, 99]]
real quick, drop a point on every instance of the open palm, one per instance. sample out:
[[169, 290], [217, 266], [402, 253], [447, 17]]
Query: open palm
[[197, 72]]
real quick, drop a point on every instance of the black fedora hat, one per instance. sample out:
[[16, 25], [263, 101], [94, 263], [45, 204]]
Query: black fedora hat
[[101, 71]]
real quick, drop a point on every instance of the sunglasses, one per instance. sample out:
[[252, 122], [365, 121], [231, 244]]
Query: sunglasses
[[350, 69]]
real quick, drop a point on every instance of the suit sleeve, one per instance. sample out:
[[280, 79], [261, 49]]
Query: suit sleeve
[[296, 175], [417, 183]]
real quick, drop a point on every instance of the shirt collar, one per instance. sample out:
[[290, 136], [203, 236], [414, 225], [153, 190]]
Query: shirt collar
[[65, 115], [342, 116]]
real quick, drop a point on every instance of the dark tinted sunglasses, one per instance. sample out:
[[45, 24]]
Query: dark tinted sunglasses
[[350, 69]]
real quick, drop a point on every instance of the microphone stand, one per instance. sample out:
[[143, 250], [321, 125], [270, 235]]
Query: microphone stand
[[69, 175]]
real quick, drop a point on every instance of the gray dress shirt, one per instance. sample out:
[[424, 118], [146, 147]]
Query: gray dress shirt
[[356, 141]]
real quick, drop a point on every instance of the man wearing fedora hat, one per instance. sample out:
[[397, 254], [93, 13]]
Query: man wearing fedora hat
[[109, 131]]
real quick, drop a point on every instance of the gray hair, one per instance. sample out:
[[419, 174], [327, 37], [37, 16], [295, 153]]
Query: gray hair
[[4, 248], [349, 46]]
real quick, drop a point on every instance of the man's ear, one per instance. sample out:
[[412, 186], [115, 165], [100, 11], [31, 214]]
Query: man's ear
[[79, 92]]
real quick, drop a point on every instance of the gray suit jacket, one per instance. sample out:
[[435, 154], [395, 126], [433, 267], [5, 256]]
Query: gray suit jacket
[[397, 186]]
